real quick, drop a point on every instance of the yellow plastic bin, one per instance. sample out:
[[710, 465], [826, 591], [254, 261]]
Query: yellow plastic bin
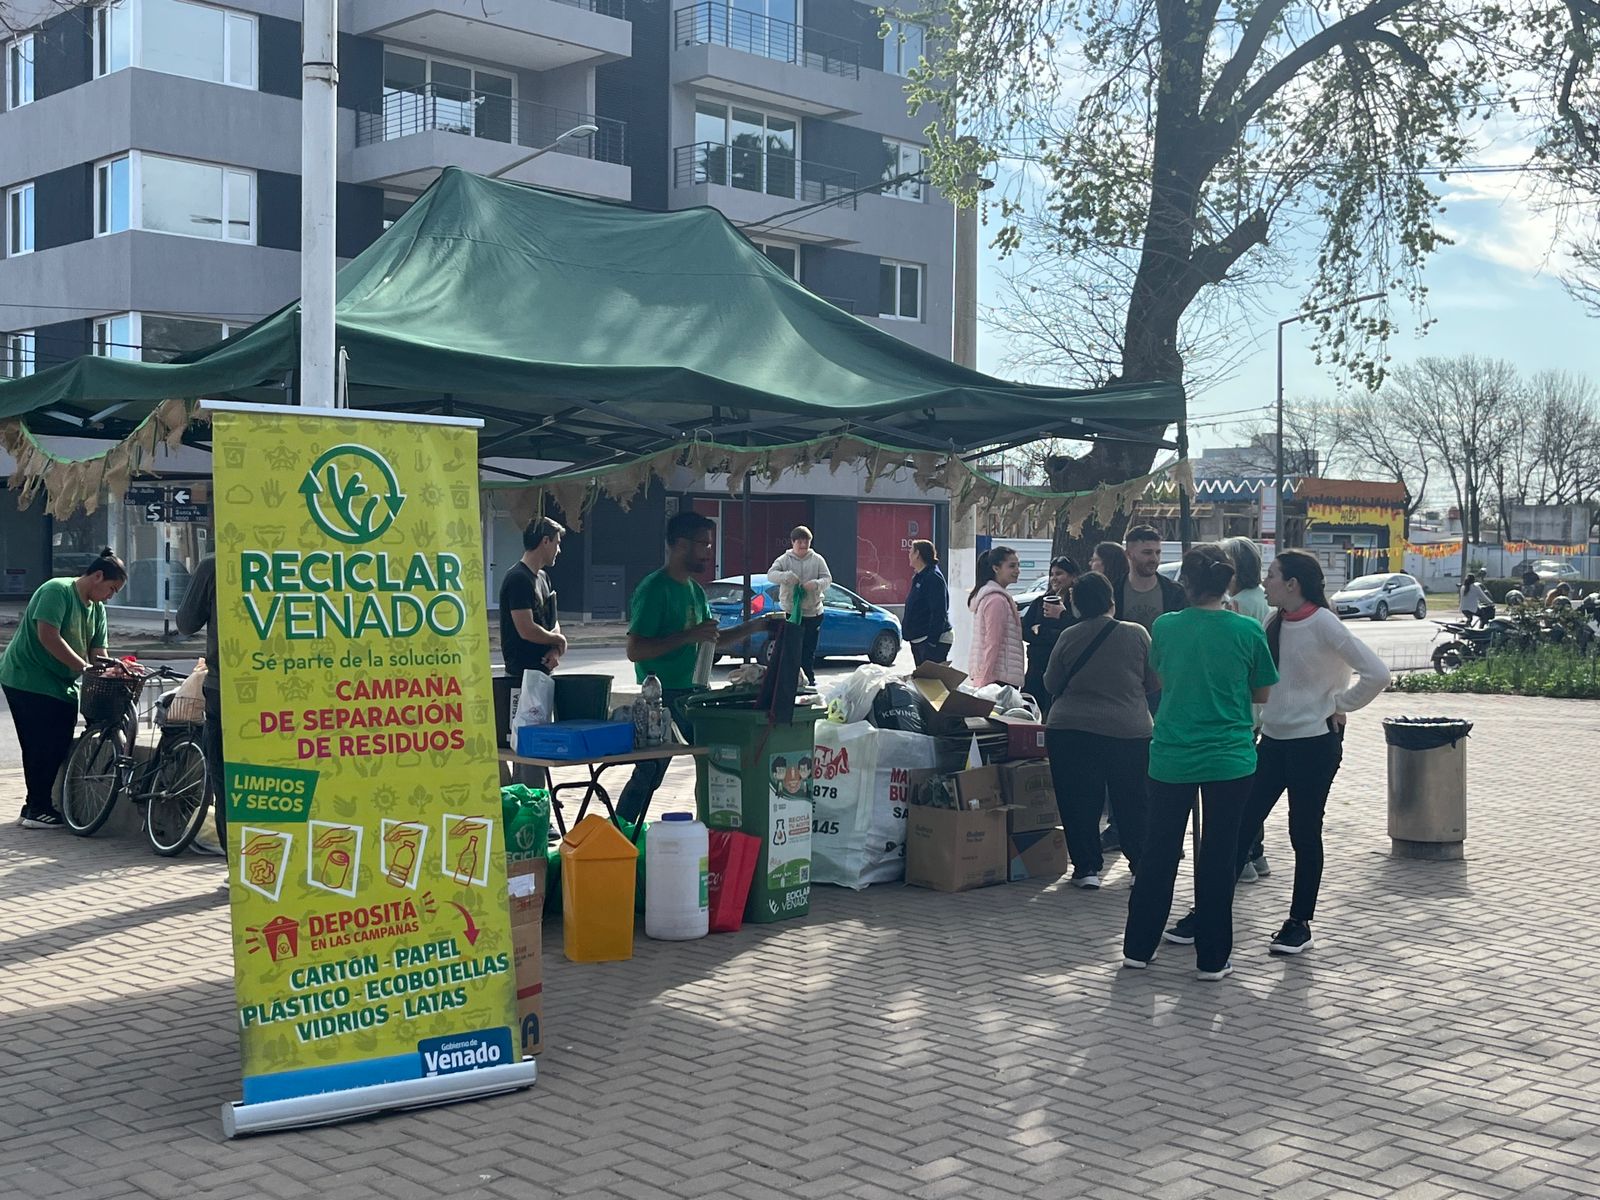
[[599, 870]]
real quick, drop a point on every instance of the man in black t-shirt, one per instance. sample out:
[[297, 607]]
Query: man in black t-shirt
[[530, 627]]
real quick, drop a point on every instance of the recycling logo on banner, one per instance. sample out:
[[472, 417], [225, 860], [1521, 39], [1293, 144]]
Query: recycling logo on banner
[[344, 502]]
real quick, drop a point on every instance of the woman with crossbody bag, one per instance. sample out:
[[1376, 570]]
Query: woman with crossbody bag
[[1098, 729]]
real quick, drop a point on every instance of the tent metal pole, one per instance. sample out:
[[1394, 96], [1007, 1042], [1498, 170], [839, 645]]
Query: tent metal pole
[[1185, 524], [745, 505]]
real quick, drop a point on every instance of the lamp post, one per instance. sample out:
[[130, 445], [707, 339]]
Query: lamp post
[[575, 131], [319, 123], [963, 540], [1281, 523]]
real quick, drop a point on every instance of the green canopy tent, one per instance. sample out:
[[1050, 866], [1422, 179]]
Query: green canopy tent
[[595, 335]]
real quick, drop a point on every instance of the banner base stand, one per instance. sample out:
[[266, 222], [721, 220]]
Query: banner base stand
[[325, 1108]]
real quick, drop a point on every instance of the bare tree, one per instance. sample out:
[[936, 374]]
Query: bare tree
[[1373, 439], [1566, 437], [1462, 411], [1311, 443]]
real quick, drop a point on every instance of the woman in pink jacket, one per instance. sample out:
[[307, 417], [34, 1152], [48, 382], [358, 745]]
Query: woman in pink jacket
[[997, 648]]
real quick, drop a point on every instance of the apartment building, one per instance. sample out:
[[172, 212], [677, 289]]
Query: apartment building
[[149, 149], [150, 159]]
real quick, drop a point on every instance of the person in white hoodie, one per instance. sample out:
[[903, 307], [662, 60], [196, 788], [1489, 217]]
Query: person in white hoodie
[[800, 569], [1302, 725]]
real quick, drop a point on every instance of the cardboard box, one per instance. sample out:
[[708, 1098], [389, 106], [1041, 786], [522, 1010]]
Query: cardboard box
[[1024, 739], [1031, 792], [951, 851], [525, 888], [946, 707], [1038, 854], [530, 1018], [978, 788]]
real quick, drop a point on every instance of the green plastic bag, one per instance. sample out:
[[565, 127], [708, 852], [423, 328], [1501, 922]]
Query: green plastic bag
[[526, 815]]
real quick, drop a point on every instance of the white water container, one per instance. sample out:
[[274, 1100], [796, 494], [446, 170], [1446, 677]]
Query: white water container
[[677, 860]]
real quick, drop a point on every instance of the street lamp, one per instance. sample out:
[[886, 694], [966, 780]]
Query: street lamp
[[1279, 521], [527, 158]]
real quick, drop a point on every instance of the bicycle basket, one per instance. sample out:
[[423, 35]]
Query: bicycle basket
[[173, 709], [103, 697]]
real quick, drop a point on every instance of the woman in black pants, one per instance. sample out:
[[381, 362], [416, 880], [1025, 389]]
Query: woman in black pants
[[1302, 726], [1098, 730], [1045, 619], [1213, 665]]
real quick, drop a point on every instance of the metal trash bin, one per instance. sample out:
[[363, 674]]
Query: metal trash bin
[[1427, 786]]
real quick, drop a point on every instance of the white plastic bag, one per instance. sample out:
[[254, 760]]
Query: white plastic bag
[[536, 702], [857, 690], [860, 788]]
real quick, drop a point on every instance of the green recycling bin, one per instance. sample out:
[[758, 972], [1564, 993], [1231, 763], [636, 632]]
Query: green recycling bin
[[756, 779]]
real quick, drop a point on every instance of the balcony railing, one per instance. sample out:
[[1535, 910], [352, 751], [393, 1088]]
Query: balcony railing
[[711, 24], [495, 118], [753, 169], [606, 8]]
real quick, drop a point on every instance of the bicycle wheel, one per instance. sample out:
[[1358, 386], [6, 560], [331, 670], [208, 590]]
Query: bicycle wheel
[[176, 806], [92, 780]]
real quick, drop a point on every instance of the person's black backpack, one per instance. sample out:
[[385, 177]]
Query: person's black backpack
[[896, 706]]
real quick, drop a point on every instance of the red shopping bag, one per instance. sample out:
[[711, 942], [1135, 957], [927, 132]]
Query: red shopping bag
[[732, 867]]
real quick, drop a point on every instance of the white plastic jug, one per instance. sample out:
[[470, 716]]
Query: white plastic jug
[[677, 859]]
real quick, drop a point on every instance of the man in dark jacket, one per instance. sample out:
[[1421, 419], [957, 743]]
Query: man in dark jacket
[[1146, 593], [925, 624]]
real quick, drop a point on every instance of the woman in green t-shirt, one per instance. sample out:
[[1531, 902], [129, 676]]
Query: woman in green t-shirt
[[1214, 665], [62, 630]]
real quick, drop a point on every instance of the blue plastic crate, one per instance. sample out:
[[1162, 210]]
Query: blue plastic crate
[[575, 739]]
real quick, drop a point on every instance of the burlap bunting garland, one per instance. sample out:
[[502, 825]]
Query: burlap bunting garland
[[74, 485]]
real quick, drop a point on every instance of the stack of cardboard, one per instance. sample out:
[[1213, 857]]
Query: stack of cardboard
[[956, 830], [1038, 848], [525, 892]]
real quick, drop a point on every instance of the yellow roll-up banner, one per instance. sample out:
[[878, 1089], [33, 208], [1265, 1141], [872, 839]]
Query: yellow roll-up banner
[[371, 939]]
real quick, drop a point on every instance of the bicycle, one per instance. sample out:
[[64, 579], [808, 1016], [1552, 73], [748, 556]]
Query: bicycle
[[171, 784]]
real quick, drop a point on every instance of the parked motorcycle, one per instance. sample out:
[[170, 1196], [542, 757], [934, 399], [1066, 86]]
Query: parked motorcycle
[[1468, 642]]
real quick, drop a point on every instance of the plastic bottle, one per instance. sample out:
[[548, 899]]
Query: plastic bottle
[[677, 861], [649, 716]]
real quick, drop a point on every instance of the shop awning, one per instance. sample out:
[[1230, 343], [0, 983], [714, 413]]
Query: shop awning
[[591, 334]]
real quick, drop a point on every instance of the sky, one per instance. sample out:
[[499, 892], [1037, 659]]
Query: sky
[[1496, 292]]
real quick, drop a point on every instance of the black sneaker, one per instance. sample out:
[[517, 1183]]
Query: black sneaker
[[1182, 934], [1294, 937], [41, 820]]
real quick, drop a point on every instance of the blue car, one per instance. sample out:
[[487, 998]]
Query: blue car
[[850, 625]]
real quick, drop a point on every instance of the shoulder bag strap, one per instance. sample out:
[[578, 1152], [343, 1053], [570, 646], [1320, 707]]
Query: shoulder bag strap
[[1088, 653]]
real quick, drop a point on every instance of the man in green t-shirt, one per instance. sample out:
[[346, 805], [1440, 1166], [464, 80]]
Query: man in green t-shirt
[[669, 623], [62, 630]]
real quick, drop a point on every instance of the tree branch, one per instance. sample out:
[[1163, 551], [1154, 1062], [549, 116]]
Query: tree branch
[[1411, 57], [1233, 72], [1354, 28], [1208, 264]]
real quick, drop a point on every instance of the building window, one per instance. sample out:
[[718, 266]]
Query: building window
[[113, 197], [176, 37], [19, 220], [429, 93], [163, 338], [181, 38], [19, 71], [395, 206], [113, 37], [16, 354], [900, 159], [899, 291], [746, 148], [785, 258], [903, 43], [174, 195], [117, 337]]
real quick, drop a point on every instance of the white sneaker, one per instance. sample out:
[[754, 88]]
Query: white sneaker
[[1213, 976], [1249, 874], [1136, 964], [1087, 882]]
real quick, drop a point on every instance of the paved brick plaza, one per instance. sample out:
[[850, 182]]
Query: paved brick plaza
[[1443, 1039]]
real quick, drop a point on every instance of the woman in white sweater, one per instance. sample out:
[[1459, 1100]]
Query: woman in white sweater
[[1302, 725]]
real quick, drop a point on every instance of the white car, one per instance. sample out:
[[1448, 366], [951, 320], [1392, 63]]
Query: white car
[[1377, 596]]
